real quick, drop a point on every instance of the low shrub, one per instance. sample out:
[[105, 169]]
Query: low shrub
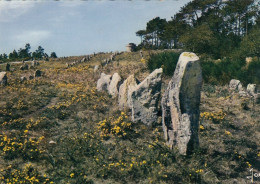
[[165, 60]]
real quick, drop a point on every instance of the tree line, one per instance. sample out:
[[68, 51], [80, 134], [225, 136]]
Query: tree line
[[26, 54], [217, 28]]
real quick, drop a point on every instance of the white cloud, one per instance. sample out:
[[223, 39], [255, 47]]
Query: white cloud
[[34, 37], [71, 4], [10, 10]]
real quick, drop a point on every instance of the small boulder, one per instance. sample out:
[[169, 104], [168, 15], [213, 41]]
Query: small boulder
[[235, 85], [52, 142], [123, 91], [114, 84], [144, 98], [3, 78], [103, 82]]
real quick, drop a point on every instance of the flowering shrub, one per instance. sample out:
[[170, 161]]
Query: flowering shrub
[[117, 128], [27, 175], [12, 146], [216, 117]]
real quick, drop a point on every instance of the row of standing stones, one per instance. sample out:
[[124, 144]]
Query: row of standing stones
[[88, 57], [3, 77], [180, 102], [37, 73]]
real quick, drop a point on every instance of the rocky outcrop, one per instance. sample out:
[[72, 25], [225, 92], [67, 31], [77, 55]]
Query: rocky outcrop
[[144, 98], [103, 82], [3, 78], [130, 82], [114, 84], [180, 104]]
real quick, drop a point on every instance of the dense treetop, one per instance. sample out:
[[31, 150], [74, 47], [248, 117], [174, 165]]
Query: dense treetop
[[213, 27]]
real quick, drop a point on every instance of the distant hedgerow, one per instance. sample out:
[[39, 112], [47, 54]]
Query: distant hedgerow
[[165, 60]]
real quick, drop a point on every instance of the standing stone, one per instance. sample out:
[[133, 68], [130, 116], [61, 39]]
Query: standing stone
[[83, 60], [103, 82], [235, 85], [22, 79], [96, 68], [114, 85], [144, 98], [3, 78], [31, 77], [180, 104], [26, 67], [33, 63], [7, 67], [251, 89], [141, 54], [123, 92], [38, 73]]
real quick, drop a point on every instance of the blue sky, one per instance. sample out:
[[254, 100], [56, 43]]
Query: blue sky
[[73, 28]]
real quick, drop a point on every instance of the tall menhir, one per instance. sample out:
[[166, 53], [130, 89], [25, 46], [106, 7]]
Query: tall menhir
[[180, 105]]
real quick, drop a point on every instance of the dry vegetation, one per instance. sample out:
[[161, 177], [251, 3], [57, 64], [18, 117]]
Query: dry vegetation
[[59, 129]]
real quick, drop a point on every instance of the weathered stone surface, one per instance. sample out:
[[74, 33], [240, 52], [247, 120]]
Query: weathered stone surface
[[123, 92], [235, 85], [180, 104], [251, 89], [3, 78], [144, 98], [38, 73], [114, 85], [103, 82]]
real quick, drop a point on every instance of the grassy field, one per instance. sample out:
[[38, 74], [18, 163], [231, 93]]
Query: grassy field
[[58, 129]]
